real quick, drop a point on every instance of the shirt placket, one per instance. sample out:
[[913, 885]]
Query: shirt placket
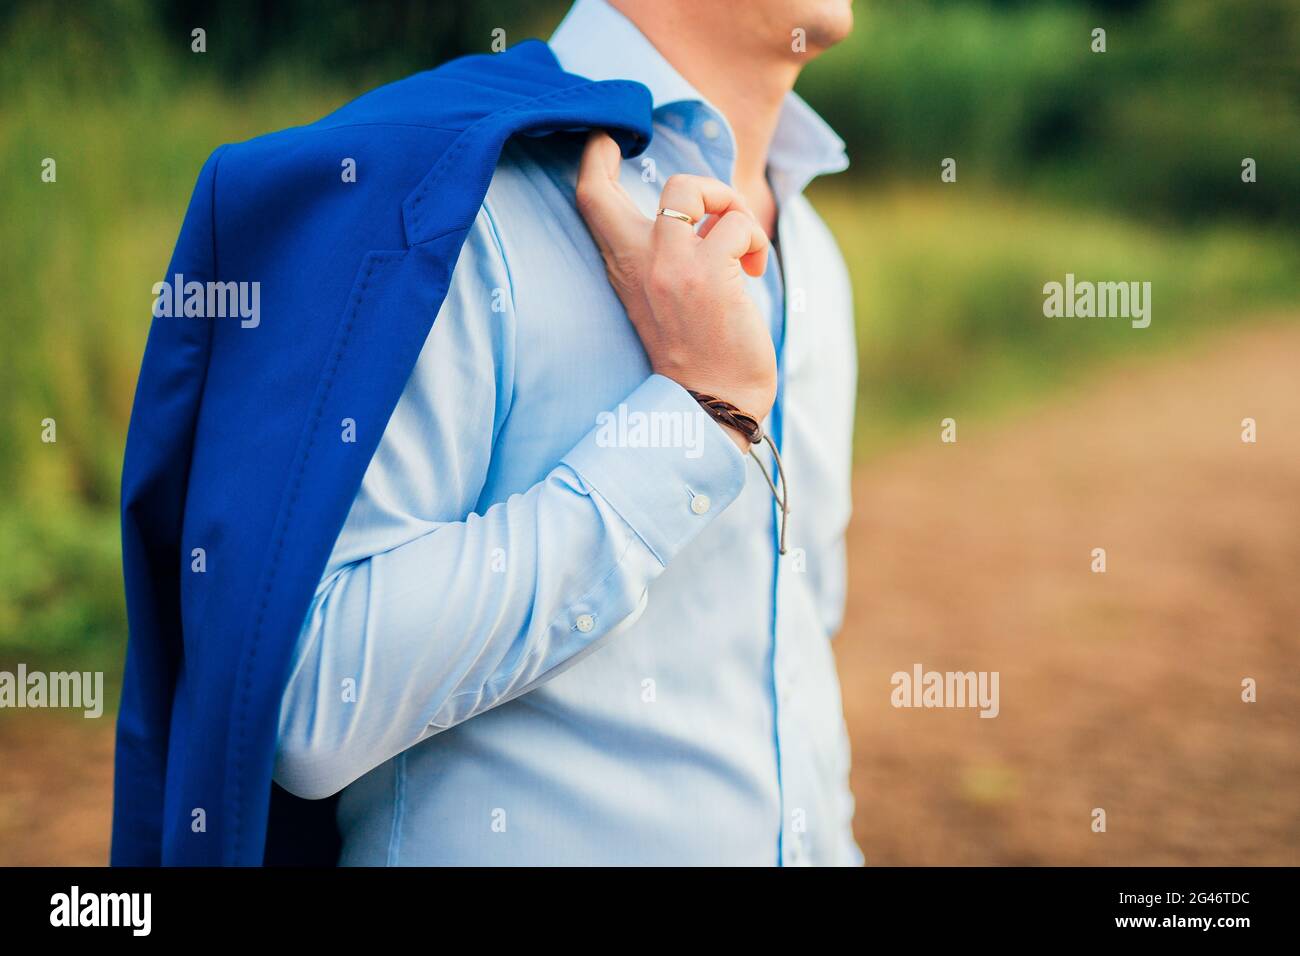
[[710, 135]]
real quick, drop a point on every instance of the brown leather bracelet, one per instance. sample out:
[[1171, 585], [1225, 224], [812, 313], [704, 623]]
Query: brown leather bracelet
[[727, 414]]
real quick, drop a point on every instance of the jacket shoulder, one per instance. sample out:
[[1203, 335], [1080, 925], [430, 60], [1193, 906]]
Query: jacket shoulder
[[389, 137], [447, 99]]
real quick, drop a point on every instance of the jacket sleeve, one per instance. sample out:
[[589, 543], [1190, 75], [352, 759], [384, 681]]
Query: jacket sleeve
[[154, 478], [430, 611]]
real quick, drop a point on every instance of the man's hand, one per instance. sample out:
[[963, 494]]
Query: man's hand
[[685, 291]]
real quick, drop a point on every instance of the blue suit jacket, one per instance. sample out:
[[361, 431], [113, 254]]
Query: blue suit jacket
[[236, 444]]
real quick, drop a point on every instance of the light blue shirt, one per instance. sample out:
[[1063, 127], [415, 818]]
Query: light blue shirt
[[555, 628]]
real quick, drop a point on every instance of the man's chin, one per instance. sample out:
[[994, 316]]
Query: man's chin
[[831, 21]]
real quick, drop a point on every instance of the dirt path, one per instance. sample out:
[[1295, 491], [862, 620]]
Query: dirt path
[[1118, 690], [56, 789]]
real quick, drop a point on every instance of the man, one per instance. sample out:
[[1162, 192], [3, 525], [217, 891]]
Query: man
[[546, 638]]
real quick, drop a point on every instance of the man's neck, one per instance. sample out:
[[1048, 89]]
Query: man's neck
[[747, 85]]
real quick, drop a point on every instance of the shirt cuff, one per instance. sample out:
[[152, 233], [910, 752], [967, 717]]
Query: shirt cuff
[[662, 463]]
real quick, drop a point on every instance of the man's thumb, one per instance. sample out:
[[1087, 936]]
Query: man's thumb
[[608, 210]]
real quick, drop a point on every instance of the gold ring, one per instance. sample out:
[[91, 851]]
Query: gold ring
[[674, 214]]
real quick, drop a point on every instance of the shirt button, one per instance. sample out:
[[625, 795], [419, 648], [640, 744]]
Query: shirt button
[[711, 129], [585, 623], [700, 504]]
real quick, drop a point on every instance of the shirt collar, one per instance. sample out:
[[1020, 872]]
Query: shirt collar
[[598, 42]]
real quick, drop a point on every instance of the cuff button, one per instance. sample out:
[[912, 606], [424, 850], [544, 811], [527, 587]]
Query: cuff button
[[585, 623], [700, 504]]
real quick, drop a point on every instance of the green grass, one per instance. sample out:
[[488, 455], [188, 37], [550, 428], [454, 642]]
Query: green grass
[[948, 292], [80, 257]]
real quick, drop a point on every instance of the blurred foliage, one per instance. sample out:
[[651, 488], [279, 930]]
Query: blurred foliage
[[81, 256], [948, 294], [350, 43], [1159, 123], [1122, 165]]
